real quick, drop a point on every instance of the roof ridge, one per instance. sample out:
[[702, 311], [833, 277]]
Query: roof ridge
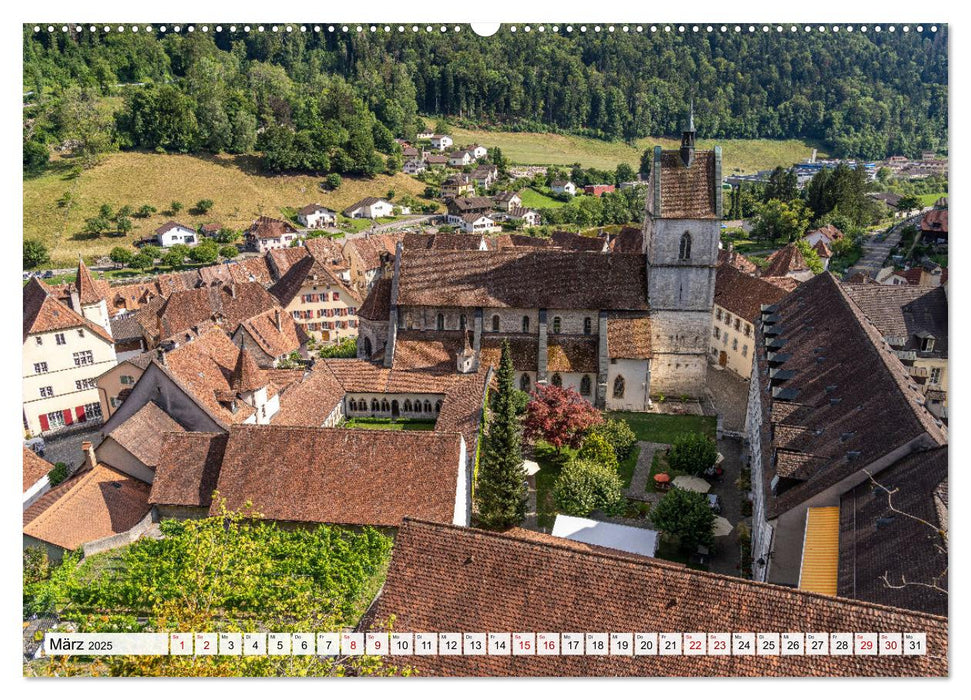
[[653, 561]]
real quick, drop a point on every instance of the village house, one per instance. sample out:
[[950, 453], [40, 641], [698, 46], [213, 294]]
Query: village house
[[414, 166], [563, 187], [116, 383], [504, 201], [64, 352], [598, 190], [788, 261], [739, 299], [476, 223], [205, 385], [209, 230], [173, 233], [410, 152], [913, 322], [316, 216], [434, 161], [485, 175], [369, 208], [827, 234], [933, 226], [522, 217], [267, 234], [459, 159], [473, 579], [458, 185], [98, 508], [187, 312], [831, 410], [618, 328], [367, 255], [460, 206], [321, 305], [824, 253], [440, 142]]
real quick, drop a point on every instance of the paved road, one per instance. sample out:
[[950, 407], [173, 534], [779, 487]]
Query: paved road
[[875, 252]]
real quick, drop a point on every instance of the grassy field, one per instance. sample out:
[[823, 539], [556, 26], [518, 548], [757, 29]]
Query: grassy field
[[927, 200], [388, 424], [739, 155], [239, 191], [657, 427], [534, 199]]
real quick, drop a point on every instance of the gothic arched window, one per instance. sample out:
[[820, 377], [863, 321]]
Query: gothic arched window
[[495, 323], [438, 406], [375, 406], [440, 322], [684, 251], [428, 406], [367, 348], [407, 406], [525, 324], [556, 324], [619, 387], [585, 385], [524, 382], [353, 405], [385, 406], [556, 380], [587, 326]]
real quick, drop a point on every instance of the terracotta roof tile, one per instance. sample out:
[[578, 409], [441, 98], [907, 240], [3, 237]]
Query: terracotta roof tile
[[785, 260], [44, 314], [189, 469], [522, 279], [903, 312], [97, 503], [566, 240], [444, 578], [35, 468], [377, 305], [687, 192], [142, 433], [848, 383], [523, 348], [348, 477], [629, 337], [442, 241], [874, 541], [267, 227], [630, 239], [572, 354], [369, 248], [272, 339], [88, 291], [744, 295], [738, 261]]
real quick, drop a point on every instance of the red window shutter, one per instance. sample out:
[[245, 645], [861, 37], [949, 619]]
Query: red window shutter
[[79, 412], [67, 417], [44, 425]]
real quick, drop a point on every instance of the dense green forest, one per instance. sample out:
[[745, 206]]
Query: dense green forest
[[331, 102]]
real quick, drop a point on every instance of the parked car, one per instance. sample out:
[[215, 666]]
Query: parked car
[[714, 502], [48, 274]]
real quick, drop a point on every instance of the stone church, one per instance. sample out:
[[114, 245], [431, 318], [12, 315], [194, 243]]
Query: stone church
[[620, 328]]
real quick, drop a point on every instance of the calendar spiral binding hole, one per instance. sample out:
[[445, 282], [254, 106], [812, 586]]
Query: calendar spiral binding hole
[[568, 29]]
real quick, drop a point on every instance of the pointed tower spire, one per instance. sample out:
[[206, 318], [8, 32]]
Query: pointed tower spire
[[247, 376], [688, 138], [86, 289]]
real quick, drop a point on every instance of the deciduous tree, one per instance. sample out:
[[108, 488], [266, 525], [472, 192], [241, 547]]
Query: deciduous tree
[[560, 416]]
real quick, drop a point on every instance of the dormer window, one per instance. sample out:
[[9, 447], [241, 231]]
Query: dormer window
[[927, 343]]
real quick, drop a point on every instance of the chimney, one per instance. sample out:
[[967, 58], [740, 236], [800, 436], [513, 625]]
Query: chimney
[[278, 320], [232, 290], [89, 458]]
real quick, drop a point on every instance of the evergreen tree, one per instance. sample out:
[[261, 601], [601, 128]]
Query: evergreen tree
[[500, 490]]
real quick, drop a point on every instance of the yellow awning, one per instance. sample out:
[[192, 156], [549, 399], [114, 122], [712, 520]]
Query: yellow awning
[[820, 550]]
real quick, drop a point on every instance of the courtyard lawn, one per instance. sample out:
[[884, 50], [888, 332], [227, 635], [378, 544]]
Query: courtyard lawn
[[626, 468], [550, 464], [664, 428], [388, 424]]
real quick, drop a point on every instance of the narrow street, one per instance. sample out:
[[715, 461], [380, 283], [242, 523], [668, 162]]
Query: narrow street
[[875, 251]]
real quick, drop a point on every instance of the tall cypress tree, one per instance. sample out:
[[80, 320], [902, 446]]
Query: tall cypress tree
[[500, 489]]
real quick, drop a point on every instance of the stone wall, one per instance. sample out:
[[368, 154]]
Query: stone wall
[[680, 363]]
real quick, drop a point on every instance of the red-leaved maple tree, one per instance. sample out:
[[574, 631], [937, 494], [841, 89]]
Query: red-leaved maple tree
[[559, 416]]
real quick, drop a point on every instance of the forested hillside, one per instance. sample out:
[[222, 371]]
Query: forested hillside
[[332, 101]]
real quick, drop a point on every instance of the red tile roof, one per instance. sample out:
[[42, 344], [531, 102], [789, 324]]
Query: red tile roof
[[88, 291], [687, 192], [35, 468], [522, 279], [629, 337], [189, 469], [377, 305], [267, 227], [141, 434], [44, 314], [348, 477], [444, 578], [934, 221], [785, 260], [744, 295], [93, 504]]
